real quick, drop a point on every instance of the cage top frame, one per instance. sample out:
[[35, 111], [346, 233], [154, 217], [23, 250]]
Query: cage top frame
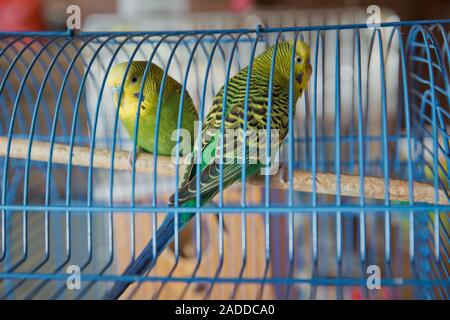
[[258, 29]]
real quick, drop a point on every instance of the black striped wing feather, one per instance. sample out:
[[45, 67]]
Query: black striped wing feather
[[233, 147]]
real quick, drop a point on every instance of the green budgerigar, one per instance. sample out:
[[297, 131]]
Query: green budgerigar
[[170, 104], [233, 117]]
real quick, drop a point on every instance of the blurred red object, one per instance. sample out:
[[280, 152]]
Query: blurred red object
[[21, 15], [356, 294], [242, 5]]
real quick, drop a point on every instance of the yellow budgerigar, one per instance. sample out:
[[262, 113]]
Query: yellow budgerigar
[[170, 104]]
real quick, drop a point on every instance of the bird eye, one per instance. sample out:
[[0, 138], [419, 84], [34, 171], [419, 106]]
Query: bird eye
[[298, 59], [133, 80]]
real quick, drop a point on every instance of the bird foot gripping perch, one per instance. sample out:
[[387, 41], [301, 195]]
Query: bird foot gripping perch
[[132, 157], [283, 173]]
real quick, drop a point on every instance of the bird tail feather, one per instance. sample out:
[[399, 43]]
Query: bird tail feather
[[146, 260]]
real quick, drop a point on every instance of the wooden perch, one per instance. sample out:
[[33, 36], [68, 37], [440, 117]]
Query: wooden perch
[[302, 180], [350, 187]]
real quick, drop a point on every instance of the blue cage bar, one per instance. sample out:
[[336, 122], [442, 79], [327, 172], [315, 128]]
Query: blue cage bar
[[378, 107]]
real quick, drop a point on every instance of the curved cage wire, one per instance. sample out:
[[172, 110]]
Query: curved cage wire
[[377, 106]]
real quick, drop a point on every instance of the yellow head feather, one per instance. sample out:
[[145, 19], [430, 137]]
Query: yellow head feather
[[302, 65]]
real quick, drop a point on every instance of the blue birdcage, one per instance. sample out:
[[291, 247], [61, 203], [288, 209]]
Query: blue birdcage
[[366, 194]]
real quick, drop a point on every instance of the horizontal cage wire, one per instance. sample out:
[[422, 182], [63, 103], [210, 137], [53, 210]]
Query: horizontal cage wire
[[365, 162]]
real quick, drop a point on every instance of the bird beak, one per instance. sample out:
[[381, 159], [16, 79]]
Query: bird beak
[[136, 94], [299, 78]]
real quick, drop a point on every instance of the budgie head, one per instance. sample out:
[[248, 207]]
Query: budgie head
[[302, 68], [302, 65], [132, 82]]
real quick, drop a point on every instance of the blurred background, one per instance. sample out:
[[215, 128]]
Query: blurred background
[[16, 15]]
